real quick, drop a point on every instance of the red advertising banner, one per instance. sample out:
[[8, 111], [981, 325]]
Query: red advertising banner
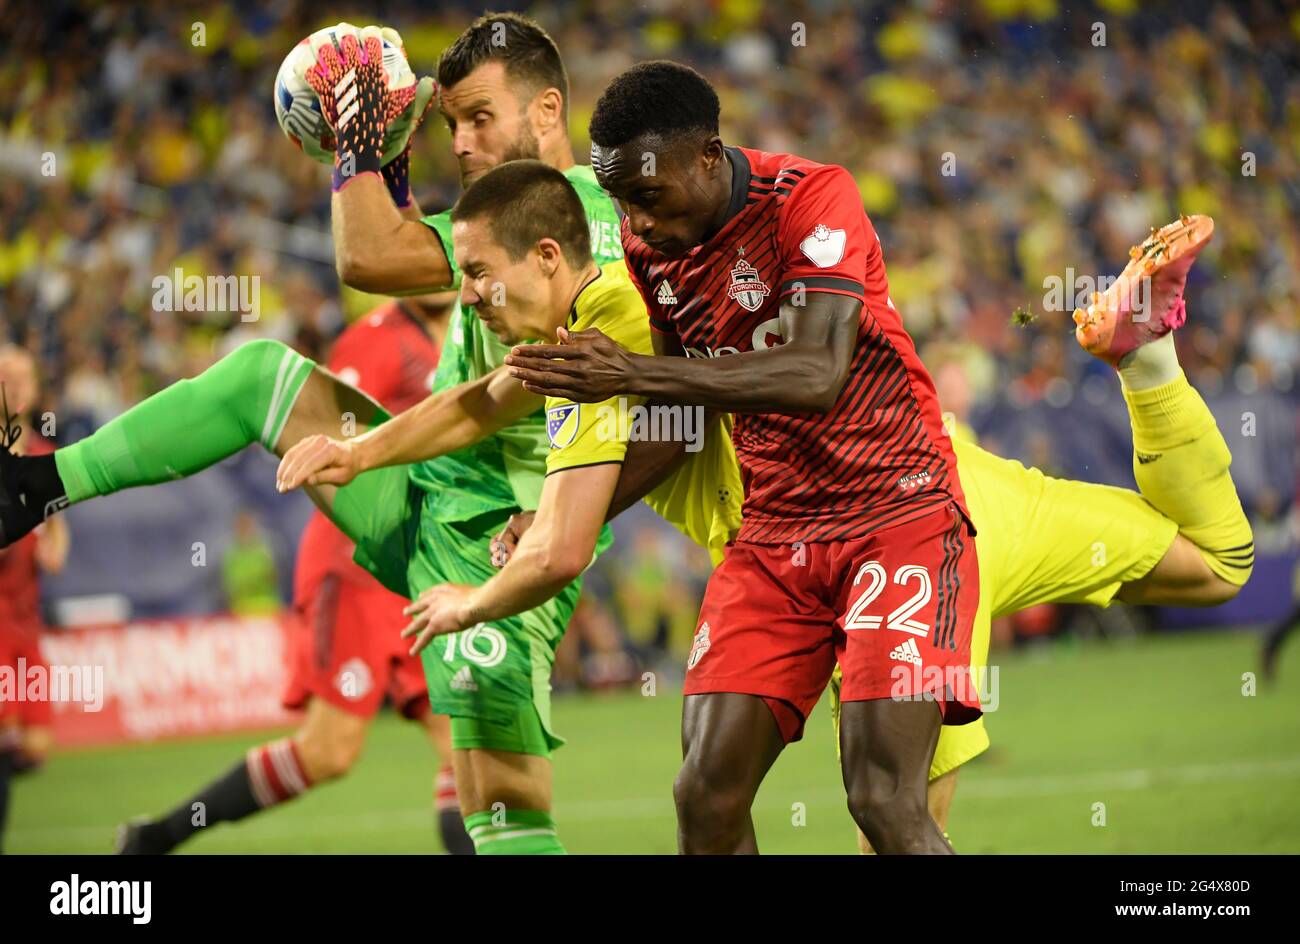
[[166, 678]]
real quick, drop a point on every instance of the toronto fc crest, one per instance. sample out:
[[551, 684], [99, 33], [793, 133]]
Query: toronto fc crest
[[746, 287]]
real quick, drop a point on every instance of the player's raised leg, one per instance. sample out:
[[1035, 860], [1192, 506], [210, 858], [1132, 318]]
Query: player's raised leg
[[1180, 459], [262, 392]]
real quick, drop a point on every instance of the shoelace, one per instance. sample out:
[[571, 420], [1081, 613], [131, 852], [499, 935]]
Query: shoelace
[[12, 430]]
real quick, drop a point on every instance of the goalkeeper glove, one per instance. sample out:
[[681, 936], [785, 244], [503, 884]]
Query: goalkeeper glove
[[370, 119]]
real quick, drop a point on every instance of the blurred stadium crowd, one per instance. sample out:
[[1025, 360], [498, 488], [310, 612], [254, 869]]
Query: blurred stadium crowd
[[998, 145]]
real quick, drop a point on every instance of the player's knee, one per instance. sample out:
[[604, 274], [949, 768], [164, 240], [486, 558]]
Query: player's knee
[[880, 804], [706, 802], [335, 760], [329, 755]]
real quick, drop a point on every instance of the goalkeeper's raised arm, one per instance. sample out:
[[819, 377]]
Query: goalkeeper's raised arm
[[380, 245]]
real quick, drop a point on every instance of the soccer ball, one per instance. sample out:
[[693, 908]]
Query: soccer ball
[[297, 109]]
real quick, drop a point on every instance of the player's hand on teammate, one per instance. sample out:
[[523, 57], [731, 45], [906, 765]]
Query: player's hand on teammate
[[504, 544], [318, 460], [437, 611], [586, 366]]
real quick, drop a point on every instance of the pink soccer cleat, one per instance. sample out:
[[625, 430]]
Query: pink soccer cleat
[[1146, 301]]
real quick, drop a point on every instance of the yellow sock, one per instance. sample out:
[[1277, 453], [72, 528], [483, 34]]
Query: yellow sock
[[1181, 464]]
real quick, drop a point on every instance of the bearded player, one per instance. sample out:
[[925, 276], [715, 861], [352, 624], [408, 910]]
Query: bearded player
[[519, 225], [692, 197], [346, 655], [425, 519]]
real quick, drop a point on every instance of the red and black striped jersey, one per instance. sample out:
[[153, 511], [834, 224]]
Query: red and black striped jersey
[[880, 456]]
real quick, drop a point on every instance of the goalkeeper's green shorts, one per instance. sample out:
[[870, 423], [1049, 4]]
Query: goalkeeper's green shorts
[[493, 680]]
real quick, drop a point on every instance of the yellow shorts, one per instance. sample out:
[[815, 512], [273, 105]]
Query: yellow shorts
[[1040, 540]]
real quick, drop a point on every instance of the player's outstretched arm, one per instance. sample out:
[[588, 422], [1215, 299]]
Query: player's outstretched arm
[[441, 423], [553, 552], [806, 373]]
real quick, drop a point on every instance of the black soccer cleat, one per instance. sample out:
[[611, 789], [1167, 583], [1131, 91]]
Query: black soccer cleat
[[30, 487], [140, 836]]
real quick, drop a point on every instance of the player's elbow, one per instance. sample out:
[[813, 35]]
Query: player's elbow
[[360, 270], [821, 388], [1216, 591], [563, 563], [822, 399]]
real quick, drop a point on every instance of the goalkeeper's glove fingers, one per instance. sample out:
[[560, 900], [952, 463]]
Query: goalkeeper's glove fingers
[[354, 97]]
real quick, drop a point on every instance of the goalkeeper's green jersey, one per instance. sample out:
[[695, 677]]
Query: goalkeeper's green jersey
[[506, 469]]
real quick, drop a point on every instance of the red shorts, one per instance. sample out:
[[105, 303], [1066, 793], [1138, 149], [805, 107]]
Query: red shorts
[[894, 608], [38, 712], [347, 650]]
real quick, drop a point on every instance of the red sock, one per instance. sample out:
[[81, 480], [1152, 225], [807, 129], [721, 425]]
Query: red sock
[[275, 772], [447, 805], [444, 790]]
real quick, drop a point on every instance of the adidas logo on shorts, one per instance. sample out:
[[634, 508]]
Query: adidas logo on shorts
[[463, 681], [907, 652]]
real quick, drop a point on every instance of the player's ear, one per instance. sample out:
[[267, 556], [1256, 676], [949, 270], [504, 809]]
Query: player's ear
[[548, 109], [549, 255], [712, 154]]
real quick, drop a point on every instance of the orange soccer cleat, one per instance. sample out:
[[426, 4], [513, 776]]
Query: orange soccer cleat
[[1146, 301]]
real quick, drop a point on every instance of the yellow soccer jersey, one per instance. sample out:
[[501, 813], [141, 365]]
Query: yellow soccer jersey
[[585, 434], [702, 498]]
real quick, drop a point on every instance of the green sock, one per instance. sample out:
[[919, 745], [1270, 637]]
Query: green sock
[[513, 832], [243, 398]]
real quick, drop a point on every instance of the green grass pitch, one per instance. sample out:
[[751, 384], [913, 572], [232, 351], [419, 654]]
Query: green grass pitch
[[1158, 730]]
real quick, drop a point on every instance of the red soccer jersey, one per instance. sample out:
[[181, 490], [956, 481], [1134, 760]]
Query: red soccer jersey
[[880, 456], [390, 356]]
